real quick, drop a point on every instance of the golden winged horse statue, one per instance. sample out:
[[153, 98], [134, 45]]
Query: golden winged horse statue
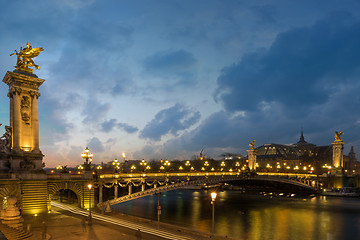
[[24, 58]]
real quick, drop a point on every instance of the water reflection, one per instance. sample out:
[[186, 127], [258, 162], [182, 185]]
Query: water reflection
[[255, 217]]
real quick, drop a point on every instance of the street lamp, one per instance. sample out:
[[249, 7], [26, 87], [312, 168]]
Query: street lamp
[[158, 209], [213, 197], [143, 163], [116, 165], [90, 220], [87, 155], [167, 165]]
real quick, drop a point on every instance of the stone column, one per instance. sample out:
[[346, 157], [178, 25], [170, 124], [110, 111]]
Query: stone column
[[35, 120], [252, 156], [130, 189], [252, 159], [24, 120], [142, 187], [338, 156], [14, 94]]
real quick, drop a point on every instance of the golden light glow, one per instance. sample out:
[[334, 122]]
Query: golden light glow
[[89, 186], [213, 196], [123, 155]]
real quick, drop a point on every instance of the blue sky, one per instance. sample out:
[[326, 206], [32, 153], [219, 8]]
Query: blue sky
[[165, 79]]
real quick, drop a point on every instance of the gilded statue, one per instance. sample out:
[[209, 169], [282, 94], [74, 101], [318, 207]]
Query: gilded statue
[[338, 136], [252, 144], [24, 58]]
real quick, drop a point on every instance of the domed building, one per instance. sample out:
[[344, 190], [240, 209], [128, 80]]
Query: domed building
[[301, 157]]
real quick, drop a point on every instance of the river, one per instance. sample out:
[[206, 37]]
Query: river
[[255, 216]]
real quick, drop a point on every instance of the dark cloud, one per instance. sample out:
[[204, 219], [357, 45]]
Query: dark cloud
[[301, 69], [307, 79], [95, 111], [171, 120], [127, 128], [95, 145], [108, 126], [179, 65]]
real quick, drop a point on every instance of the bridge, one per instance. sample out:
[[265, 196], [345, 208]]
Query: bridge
[[173, 181], [36, 191]]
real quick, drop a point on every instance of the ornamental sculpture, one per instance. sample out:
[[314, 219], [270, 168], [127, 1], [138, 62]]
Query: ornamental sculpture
[[5, 140], [24, 58], [338, 136], [252, 144]]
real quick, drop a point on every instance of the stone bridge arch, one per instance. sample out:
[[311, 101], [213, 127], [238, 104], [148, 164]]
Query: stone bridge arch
[[84, 195]]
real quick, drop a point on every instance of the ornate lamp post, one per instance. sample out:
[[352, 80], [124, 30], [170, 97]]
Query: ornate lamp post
[[87, 155], [143, 163], [213, 198], [59, 167], [116, 165], [90, 220], [167, 165]]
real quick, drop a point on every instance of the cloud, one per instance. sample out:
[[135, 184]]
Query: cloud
[[179, 65], [108, 125], [301, 69], [127, 128], [171, 120], [95, 145], [54, 125], [95, 111], [307, 79]]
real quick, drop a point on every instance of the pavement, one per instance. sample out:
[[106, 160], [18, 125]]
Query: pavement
[[62, 224]]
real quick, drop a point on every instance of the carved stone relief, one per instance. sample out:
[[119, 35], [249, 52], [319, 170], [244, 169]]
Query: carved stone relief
[[25, 109]]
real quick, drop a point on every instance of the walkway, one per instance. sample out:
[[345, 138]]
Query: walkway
[[65, 222]]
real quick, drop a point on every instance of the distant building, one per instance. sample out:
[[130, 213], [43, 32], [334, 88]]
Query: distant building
[[302, 157]]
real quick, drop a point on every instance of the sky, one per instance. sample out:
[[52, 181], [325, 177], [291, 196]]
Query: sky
[[165, 79]]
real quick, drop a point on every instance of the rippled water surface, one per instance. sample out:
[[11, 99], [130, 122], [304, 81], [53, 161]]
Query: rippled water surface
[[255, 217]]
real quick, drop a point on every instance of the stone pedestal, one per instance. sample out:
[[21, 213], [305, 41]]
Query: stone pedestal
[[12, 217], [24, 120]]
